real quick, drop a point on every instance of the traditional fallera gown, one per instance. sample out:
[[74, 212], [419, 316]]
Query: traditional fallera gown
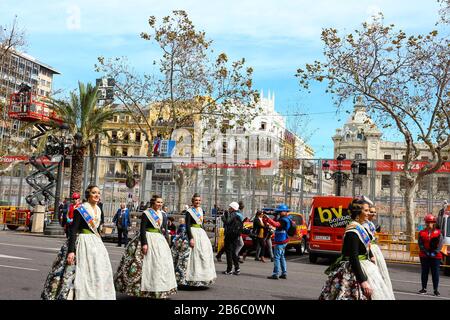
[[343, 282], [91, 277], [151, 275], [194, 266]]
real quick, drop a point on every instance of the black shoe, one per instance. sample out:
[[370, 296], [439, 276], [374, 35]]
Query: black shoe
[[436, 293], [274, 277], [423, 291], [283, 276], [119, 245], [271, 259], [219, 259], [237, 272], [256, 259], [228, 272]]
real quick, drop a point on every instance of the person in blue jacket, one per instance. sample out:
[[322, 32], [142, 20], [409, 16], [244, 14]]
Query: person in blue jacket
[[281, 239], [123, 223]]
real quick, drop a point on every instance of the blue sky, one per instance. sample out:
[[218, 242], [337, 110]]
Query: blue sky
[[276, 37]]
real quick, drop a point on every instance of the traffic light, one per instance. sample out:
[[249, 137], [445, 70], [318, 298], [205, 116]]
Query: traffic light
[[362, 169]]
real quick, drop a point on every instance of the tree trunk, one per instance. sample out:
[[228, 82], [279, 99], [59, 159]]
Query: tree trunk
[[91, 163], [410, 206], [76, 175], [179, 180]]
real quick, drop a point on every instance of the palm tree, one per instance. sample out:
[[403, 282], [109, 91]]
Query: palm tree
[[85, 120]]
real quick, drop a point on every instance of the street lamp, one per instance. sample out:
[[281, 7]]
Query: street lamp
[[55, 228], [339, 176]]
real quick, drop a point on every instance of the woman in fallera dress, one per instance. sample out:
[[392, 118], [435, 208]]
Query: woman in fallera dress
[[193, 255], [379, 258], [146, 268], [82, 269], [354, 275]]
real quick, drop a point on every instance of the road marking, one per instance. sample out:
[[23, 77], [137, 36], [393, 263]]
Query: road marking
[[12, 257], [417, 282], [29, 247], [1, 265], [297, 259], [416, 294]]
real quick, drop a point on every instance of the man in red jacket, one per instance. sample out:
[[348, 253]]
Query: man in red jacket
[[430, 244], [76, 202]]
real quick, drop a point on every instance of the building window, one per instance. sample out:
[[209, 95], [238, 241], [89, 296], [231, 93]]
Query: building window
[[403, 182], [124, 152], [424, 158], [263, 126], [113, 152], [387, 157], [112, 168], [358, 182], [423, 184], [138, 137], [136, 151], [385, 181], [224, 147], [443, 184], [116, 119], [358, 156]]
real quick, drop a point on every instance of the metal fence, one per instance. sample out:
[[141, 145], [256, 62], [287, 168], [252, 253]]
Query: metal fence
[[257, 187]]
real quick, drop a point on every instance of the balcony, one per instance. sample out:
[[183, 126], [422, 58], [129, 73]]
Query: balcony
[[120, 175], [118, 142]]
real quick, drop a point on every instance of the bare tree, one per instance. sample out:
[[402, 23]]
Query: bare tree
[[405, 81], [12, 37], [190, 84]]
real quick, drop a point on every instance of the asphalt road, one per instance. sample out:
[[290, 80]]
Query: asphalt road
[[25, 260]]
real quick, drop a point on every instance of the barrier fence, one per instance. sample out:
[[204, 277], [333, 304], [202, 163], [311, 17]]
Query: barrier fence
[[257, 186]]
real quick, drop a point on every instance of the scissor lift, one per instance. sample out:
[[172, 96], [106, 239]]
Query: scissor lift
[[26, 106]]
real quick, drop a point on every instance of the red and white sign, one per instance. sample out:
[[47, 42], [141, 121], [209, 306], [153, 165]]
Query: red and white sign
[[345, 165], [416, 166], [259, 164], [10, 159]]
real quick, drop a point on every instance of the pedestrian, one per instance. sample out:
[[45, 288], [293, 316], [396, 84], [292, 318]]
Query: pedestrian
[[354, 275], [123, 224], [76, 202], [142, 206], [82, 269], [430, 244], [146, 268], [370, 227], [172, 228], [258, 233], [268, 233], [214, 211], [181, 226], [193, 255], [233, 230], [240, 245], [63, 212], [181, 231], [281, 239]]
